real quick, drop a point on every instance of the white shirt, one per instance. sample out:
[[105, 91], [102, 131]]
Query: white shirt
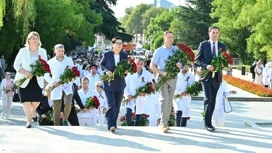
[[216, 47], [93, 80], [116, 59], [57, 68], [84, 96]]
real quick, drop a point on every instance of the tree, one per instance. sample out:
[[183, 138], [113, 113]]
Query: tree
[[151, 13], [257, 16], [2, 11], [233, 34], [157, 26], [191, 22], [110, 27]]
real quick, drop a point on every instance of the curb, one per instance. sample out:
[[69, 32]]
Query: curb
[[242, 99]]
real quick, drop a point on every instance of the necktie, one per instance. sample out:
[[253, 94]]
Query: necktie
[[213, 51]]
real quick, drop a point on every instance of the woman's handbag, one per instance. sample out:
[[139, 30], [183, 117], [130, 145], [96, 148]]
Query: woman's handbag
[[16, 97], [227, 105]]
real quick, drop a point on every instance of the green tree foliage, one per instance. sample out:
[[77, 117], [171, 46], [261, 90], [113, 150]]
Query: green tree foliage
[[2, 11], [158, 41], [257, 16], [232, 33], [111, 27], [134, 23], [25, 11], [192, 22]]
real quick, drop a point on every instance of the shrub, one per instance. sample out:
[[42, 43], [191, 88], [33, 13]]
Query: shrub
[[248, 86]]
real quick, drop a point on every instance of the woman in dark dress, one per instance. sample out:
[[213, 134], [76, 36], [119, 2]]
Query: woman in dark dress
[[31, 90], [115, 89]]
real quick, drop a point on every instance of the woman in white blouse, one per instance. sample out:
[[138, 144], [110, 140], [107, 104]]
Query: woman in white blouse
[[258, 73], [7, 95], [31, 90]]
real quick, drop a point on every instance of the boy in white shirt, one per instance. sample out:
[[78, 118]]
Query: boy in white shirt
[[88, 118], [182, 105]]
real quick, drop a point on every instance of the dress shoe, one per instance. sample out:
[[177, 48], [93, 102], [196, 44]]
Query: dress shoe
[[65, 123], [112, 129], [35, 119], [210, 128], [164, 129]]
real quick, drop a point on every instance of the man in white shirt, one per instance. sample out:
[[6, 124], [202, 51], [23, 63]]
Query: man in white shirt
[[93, 76], [60, 92]]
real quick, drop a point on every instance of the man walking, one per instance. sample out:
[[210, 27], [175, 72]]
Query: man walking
[[207, 50], [157, 66]]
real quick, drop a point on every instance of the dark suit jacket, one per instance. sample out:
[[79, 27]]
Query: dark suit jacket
[[204, 58], [44, 107], [75, 98], [108, 64]]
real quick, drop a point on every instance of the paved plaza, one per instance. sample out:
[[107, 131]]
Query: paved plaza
[[247, 129]]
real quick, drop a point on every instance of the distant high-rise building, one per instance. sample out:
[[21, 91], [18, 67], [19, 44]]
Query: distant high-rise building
[[164, 4]]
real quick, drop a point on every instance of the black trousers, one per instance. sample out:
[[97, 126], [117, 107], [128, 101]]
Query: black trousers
[[210, 89], [181, 121], [114, 103], [139, 118], [129, 117]]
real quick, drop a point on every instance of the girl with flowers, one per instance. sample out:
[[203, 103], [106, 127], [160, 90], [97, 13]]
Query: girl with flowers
[[86, 94], [114, 89], [61, 82], [219, 109], [31, 89]]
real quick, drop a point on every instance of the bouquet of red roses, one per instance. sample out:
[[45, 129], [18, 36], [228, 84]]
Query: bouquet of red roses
[[184, 54], [123, 66], [92, 102], [38, 69], [218, 63], [69, 75], [147, 89]]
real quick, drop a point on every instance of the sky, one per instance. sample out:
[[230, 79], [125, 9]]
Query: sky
[[119, 9]]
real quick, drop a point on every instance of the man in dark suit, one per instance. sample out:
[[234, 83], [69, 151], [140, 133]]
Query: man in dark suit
[[114, 89], [207, 50]]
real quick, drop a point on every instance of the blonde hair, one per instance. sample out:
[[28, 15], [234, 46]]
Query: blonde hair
[[30, 35]]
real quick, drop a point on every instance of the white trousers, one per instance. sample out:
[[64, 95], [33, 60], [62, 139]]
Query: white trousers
[[7, 102], [87, 121], [101, 119]]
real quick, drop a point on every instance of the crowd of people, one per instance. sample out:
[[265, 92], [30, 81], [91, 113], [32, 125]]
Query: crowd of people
[[262, 74], [66, 103]]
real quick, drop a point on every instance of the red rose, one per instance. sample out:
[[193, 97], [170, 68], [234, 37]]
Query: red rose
[[96, 102], [123, 118]]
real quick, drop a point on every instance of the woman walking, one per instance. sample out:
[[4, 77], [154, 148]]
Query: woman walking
[[31, 90], [114, 89], [7, 95]]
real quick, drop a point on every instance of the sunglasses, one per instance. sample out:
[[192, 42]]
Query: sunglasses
[[7, 74]]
